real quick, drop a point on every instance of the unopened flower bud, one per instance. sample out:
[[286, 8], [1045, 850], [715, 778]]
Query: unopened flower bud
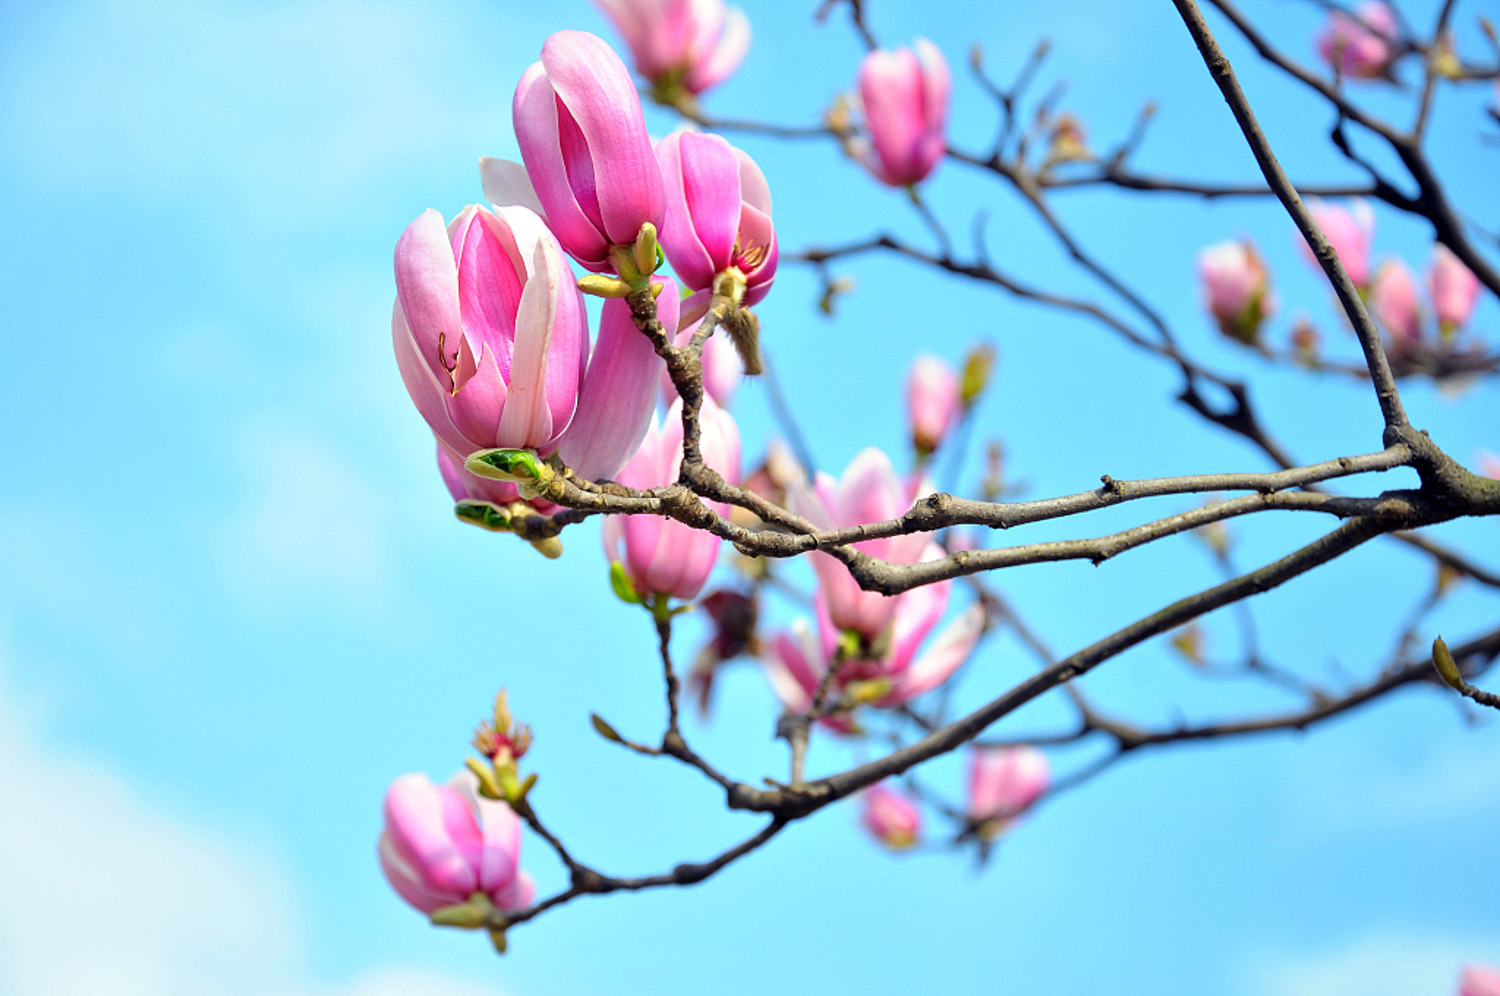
[[1447, 667], [978, 366], [603, 285]]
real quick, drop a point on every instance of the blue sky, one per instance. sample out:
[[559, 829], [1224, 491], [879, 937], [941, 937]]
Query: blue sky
[[234, 604]]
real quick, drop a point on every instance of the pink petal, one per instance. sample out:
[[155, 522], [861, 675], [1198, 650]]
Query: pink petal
[[594, 86], [427, 289], [619, 392]]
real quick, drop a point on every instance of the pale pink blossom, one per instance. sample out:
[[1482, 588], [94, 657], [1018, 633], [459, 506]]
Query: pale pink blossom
[[869, 491], [588, 160], [905, 94], [933, 402], [1479, 980], [1453, 287], [1351, 232], [662, 556], [1360, 47], [718, 214], [891, 817], [1394, 298], [1003, 784], [492, 342], [442, 844], [891, 673], [1236, 289], [691, 43]]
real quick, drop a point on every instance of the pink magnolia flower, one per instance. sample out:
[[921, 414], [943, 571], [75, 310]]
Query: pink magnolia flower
[[905, 95], [444, 843], [1394, 297], [933, 402], [1479, 980], [1360, 47], [718, 214], [869, 491], [662, 556], [1236, 289], [1351, 232], [492, 342], [722, 369], [891, 817], [587, 156], [1454, 289], [1003, 783], [796, 661], [691, 43]]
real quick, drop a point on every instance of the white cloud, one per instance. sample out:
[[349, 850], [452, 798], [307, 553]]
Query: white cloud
[[103, 892], [1386, 962]]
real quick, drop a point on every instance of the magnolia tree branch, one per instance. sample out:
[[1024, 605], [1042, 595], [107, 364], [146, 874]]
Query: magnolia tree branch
[[1369, 337]]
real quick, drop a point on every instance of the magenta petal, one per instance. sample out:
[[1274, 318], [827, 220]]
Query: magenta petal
[[430, 396], [535, 112], [691, 260], [595, 87], [478, 406], [711, 189], [408, 885], [488, 285], [427, 288], [619, 391], [432, 832], [945, 656]]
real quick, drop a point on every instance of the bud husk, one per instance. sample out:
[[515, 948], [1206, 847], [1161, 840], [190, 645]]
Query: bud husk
[[466, 916], [647, 251], [978, 366], [488, 786], [485, 515], [550, 547], [623, 587], [1447, 667], [603, 728], [603, 285], [515, 466]]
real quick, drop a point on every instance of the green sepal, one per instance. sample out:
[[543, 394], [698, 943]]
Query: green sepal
[[485, 515], [620, 581]]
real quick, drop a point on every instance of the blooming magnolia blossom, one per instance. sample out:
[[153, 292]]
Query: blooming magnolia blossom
[[1453, 287], [444, 843], [891, 817], [492, 342], [1394, 298], [662, 556], [933, 401], [587, 157], [693, 44], [1003, 783], [796, 661], [718, 214], [1479, 980], [1351, 232], [1360, 47], [869, 491], [1236, 289], [905, 94]]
